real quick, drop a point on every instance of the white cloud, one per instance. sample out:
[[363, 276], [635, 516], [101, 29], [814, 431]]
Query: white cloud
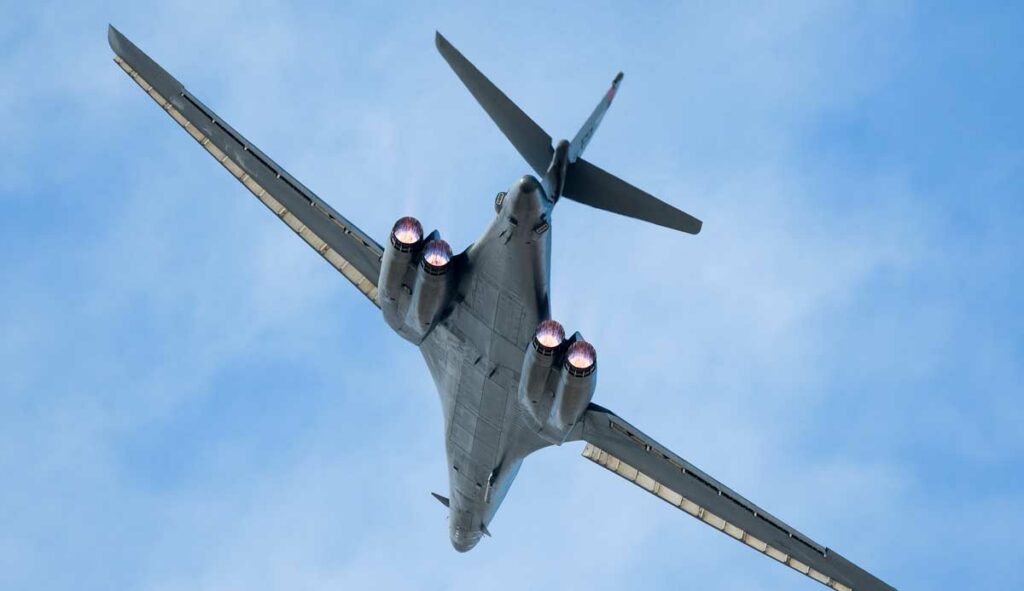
[[160, 306]]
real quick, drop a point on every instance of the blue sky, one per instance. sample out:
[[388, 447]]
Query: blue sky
[[191, 399]]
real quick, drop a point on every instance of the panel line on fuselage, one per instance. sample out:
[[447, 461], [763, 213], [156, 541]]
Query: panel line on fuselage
[[476, 356]]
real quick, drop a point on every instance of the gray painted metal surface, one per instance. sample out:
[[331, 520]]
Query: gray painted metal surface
[[475, 315]]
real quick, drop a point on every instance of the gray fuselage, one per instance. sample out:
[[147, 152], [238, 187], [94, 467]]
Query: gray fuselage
[[476, 353]]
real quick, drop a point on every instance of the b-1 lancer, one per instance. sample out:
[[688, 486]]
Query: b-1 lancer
[[511, 381]]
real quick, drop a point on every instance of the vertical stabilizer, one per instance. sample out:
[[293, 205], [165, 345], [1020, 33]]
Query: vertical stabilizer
[[579, 143]]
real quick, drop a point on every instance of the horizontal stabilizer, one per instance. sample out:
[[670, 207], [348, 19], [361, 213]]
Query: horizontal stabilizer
[[532, 142], [589, 185]]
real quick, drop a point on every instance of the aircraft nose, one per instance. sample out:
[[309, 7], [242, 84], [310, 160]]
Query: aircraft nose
[[464, 546], [463, 533], [464, 541]]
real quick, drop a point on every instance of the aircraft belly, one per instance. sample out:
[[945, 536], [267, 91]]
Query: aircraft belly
[[475, 358], [483, 413]]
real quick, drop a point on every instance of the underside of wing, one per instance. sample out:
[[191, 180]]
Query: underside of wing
[[354, 254], [619, 447]]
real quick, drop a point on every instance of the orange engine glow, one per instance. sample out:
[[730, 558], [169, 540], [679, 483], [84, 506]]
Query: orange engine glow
[[549, 335], [581, 356], [437, 254], [407, 231]]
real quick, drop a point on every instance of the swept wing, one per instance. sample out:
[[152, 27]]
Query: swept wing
[[619, 447], [347, 248]]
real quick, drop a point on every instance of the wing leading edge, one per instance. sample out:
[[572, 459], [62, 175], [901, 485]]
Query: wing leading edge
[[614, 444], [347, 248]]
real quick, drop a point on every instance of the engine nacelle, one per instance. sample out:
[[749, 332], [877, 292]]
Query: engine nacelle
[[433, 288], [536, 383], [558, 380], [404, 244], [576, 383]]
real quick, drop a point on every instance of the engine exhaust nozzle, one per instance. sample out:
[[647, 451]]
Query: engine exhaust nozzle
[[406, 233], [549, 337], [436, 256], [581, 359]]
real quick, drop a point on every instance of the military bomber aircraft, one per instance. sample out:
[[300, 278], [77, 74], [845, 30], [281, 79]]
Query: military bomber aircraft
[[510, 380]]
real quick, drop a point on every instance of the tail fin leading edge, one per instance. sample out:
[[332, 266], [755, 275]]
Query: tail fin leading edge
[[579, 143]]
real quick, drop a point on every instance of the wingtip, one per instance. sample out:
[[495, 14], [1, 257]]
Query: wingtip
[[113, 36], [439, 39], [618, 79]]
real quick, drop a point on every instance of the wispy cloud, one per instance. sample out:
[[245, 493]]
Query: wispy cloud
[[191, 399]]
